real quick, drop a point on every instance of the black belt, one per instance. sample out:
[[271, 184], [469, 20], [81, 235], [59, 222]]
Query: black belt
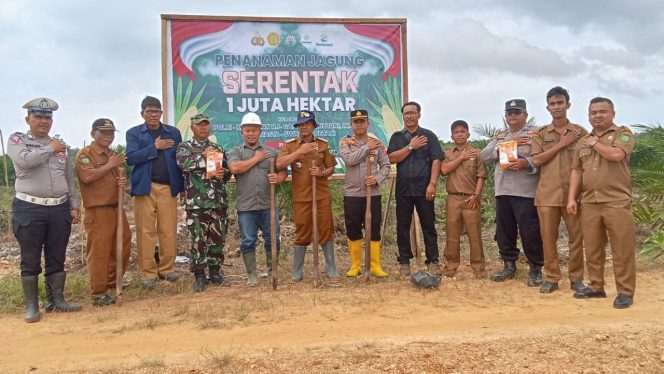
[[460, 193], [104, 206]]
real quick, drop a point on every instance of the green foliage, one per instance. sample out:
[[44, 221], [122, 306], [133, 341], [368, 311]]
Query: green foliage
[[11, 174], [647, 167]]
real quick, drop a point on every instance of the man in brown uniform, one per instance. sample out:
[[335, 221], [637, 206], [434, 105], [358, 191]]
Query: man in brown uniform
[[99, 179], [299, 154], [553, 151], [600, 174], [465, 180]]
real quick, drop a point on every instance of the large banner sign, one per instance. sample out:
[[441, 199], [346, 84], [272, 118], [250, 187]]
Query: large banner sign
[[227, 67]]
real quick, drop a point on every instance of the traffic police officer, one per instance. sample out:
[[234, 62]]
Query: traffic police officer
[[355, 150], [45, 206], [310, 156], [515, 188], [206, 203]]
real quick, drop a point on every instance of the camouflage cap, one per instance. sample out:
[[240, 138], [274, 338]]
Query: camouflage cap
[[200, 117], [41, 106]]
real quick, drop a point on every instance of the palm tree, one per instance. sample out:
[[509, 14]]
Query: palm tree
[[647, 165]]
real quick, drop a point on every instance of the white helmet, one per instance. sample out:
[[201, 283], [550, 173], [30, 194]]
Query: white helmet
[[251, 119]]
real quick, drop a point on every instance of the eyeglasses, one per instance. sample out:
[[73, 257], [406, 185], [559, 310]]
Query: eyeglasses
[[513, 112], [153, 112], [410, 114]]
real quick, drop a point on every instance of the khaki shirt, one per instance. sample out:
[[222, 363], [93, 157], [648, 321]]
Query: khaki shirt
[[354, 153], [302, 191], [464, 178], [39, 171], [603, 180], [103, 191], [553, 186]]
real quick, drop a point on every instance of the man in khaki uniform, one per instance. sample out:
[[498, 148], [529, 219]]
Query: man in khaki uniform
[[466, 174], [600, 174], [99, 179], [553, 151], [310, 156]]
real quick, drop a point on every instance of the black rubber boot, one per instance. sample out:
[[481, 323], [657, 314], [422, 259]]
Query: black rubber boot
[[508, 272], [215, 277], [55, 286], [201, 282], [535, 276], [31, 292]]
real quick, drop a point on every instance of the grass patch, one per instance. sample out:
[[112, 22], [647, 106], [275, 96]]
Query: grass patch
[[151, 362], [77, 289], [219, 359]]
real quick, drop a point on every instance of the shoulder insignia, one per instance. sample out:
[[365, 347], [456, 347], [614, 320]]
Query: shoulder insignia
[[372, 136], [625, 129], [321, 139], [15, 137], [625, 138], [85, 160], [290, 140]]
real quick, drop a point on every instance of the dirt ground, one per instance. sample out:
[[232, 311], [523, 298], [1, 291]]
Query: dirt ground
[[465, 326]]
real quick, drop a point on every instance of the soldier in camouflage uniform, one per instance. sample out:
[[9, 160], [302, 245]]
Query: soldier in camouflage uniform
[[206, 203]]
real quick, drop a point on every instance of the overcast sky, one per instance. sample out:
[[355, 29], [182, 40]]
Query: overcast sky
[[465, 58]]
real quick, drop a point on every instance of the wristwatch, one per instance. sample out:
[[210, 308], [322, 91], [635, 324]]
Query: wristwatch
[[592, 142], [410, 147]]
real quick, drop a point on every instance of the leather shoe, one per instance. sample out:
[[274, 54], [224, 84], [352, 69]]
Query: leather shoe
[[534, 276], [171, 276], [404, 269], [589, 293], [577, 285], [548, 287], [149, 283], [103, 300], [622, 301]]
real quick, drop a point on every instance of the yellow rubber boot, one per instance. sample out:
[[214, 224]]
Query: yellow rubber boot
[[376, 270], [355, 249]]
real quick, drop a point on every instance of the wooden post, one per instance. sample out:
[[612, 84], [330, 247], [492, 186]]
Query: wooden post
[[367, 223], [314, 213], [273, 227], [119, 250]]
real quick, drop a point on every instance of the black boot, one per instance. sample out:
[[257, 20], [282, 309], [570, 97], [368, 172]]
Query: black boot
[[200, 283], [535, 276], [55, 286], [31, 292], [508, 272], [215, 277]]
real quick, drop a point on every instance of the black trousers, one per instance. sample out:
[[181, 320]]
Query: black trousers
[[37, 228], [354, 212], [427, 215], [518, 214]]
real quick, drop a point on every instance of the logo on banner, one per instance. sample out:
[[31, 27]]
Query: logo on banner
[[290, 40], [258, 40], [273, 39], [306, 39], [324, 41]]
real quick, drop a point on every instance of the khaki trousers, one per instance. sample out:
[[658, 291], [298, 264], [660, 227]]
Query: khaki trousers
[[616, 219], [101, 228], [304, 224], [156, 219], [458, 216], [549, 219]]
